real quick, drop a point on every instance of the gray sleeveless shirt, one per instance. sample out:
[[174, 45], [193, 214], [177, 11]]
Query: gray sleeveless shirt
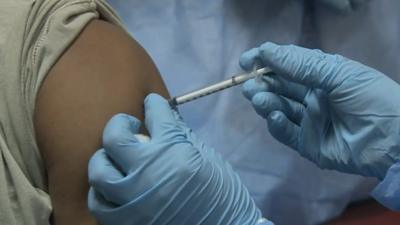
[[33, 35]]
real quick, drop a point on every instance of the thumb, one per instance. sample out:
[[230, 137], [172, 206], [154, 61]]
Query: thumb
[[159, 117], [312, 68], [283, 129]]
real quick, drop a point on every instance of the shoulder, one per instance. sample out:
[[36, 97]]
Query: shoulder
[[104, 72]]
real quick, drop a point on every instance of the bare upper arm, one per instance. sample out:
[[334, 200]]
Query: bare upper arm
[[103, 73]]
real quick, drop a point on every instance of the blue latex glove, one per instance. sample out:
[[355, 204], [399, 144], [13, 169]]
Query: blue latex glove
[[342, 6], [387, 192], [171, 179], [338, 113]]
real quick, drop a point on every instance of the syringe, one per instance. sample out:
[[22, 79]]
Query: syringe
[[233, 81]]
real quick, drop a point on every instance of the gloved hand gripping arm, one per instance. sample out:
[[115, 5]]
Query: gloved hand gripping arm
[[171, 179]]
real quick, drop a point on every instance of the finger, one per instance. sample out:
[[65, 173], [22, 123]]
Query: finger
[[104, 178], [266, 102], [283, 129], [159, 117], [180, 123], [119, 139], [282, 86], [276, 84], [190, 136], [178, 118], [248, 59], [100, 207], [252, 87], [312, 68]]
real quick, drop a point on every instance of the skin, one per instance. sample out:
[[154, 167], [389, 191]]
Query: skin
[[104, 72]]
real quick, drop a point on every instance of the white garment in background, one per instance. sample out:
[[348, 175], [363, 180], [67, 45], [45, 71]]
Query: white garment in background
[[195, 43]]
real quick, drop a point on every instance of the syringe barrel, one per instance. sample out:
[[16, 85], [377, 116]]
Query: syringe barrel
[[233, 81]]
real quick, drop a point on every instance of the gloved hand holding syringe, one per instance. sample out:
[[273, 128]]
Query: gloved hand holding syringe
[[222, 85]]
